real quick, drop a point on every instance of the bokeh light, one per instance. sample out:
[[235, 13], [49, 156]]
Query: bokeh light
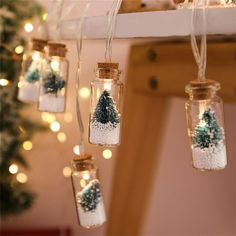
[[27, 145], [28, 27], [13, 168], [22, 178], [67, 171], [68, 117], [61, 137], [84, 92], [19, 49], [107, 153], [4, 82], [55, 126], [76, 150]]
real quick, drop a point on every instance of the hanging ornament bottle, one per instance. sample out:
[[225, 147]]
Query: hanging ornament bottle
[[105, 113], [87, 192], [54, 80], [31, 69], [206, 130]]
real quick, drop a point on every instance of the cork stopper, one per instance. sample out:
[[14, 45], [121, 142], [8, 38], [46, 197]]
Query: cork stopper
[[83, 162], [202, 83], [57, 49], [108, 65], [38, 44], [202, 89], [108, 70]]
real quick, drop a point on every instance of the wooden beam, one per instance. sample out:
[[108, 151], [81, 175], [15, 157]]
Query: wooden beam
[[155, 73]]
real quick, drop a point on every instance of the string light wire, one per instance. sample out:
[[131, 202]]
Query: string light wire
[[200, 57], [112, 16], [79, 42]]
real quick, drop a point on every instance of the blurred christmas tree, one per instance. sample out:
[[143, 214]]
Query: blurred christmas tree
[[90, 196], [14, 128], [208, 132], [106, 110]]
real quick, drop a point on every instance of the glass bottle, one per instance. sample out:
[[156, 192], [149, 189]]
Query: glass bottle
[[52, 96], [206, 131], [87, 192], [105, 110], [30, 72]]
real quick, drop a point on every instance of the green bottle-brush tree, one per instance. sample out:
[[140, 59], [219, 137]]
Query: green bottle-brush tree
[[208, 132], [106, 110], [14, 128], [90, 197]]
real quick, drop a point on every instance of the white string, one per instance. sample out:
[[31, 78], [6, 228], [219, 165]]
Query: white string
[[112, 15], [59, 6], [200, 57], [79, 42]]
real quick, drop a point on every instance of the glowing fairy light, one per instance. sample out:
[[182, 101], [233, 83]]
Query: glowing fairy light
[[67, 171], [28, 27], [13, 168], [27, 145], [84, 92], [107, 153], [19, 49], [22, 178], [61, 137], [76, 150], [68, 117], [55, 126], [86, 175], [4, 82]]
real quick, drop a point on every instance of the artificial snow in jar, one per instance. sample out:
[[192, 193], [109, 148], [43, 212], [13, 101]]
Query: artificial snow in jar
[[30, 73], [105, 113], [54, 80], [87, 192], [206, 130]]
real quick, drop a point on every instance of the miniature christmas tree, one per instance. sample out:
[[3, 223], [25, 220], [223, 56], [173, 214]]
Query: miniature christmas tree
[[90, 196], [208, 132], [32, 76], [53, 82], [106, 110]]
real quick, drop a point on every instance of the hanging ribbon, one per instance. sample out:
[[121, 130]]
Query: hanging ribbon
[[200, 57], [112, 15], [79, 42]]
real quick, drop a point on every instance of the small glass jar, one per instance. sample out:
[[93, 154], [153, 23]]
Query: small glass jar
[[105, 111], [30, 73], [87, 192], [206, 131], [52, 96]]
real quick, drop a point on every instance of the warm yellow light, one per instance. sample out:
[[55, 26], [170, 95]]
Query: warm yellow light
[[19, 49], [47, 117], [82, 183], [45, 16], [61, 137], [4, 82], [86, 175], [28, 27], [84, 92], [27, 145], [13, 168], [55, 64], [67, 171], [55, 126], [36, 56], [68, 117], [107, 86], [22, 178], [19, 84], [107, 153], [76, 150]]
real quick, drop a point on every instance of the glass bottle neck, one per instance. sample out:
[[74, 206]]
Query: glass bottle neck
[[202, 94]]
